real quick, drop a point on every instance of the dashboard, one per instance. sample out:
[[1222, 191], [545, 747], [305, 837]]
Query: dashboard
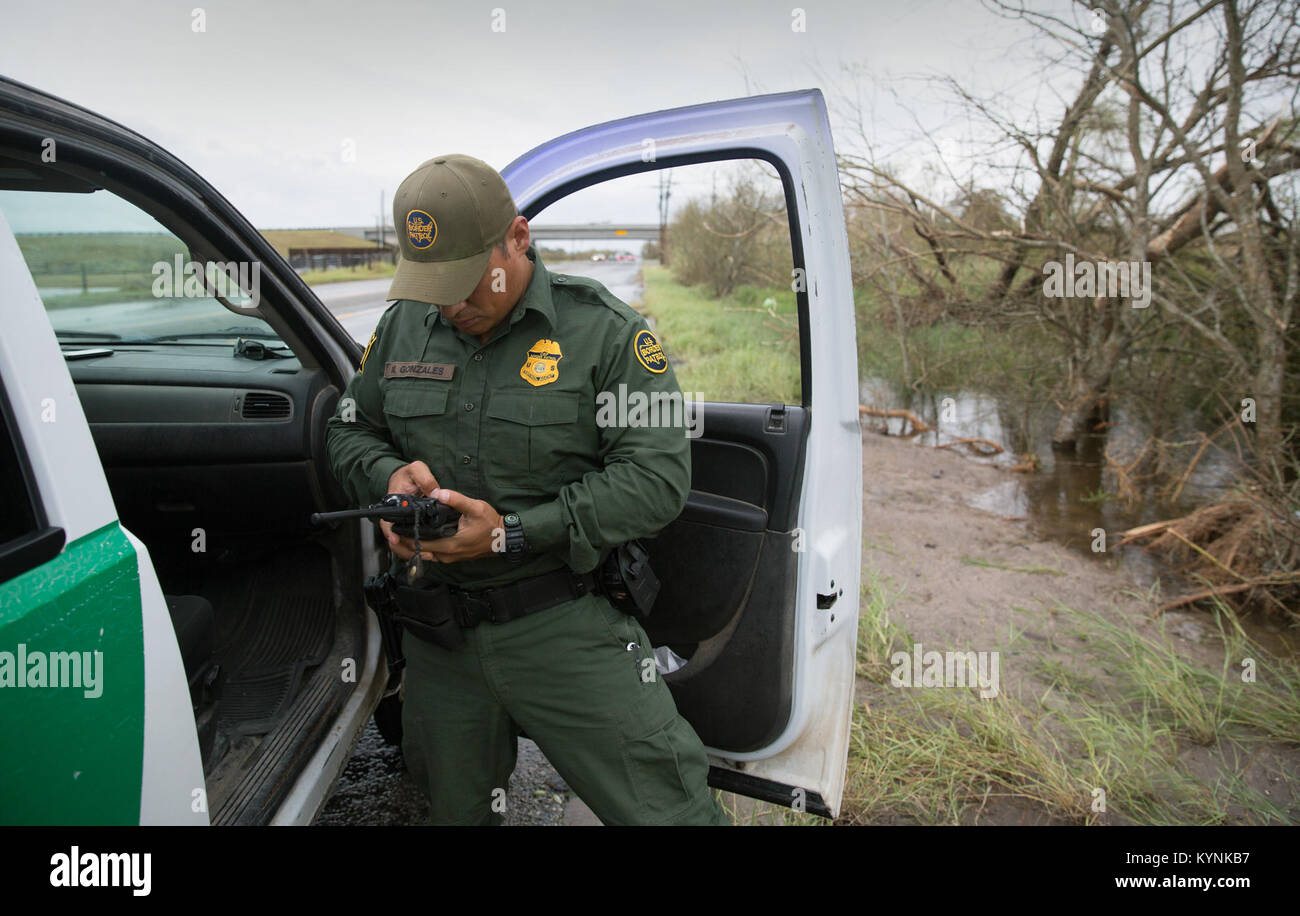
[[191, 435], [158, 404]]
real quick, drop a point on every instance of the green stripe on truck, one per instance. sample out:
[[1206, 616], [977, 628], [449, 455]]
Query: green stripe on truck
[[72, 727]]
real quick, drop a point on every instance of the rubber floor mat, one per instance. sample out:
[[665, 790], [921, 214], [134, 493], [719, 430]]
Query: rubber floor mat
[[275, 622]]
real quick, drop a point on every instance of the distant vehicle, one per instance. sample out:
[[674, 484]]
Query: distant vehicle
[[598, 257]]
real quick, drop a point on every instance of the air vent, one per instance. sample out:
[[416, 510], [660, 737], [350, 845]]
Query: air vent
[[264, 405]]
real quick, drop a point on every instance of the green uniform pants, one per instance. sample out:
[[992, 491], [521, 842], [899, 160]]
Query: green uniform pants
[[568, 679]]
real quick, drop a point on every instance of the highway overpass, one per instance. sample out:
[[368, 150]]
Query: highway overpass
[[542, 230]]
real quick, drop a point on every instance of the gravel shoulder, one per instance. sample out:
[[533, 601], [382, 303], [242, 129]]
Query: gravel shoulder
[[376, 790]]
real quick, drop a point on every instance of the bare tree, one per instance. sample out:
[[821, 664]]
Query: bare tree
[[1169, 153]]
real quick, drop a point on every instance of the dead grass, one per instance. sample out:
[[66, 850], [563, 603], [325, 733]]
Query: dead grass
[[1244, 551]]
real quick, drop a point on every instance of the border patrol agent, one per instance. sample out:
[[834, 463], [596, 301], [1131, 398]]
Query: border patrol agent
[[478, 387]]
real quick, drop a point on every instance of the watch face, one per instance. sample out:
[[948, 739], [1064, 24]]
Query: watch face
[[511, 519]]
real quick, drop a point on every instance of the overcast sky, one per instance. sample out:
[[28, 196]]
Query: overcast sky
[[265, 100]]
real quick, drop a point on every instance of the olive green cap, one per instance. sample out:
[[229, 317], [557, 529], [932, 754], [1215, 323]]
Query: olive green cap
[[448, 214]]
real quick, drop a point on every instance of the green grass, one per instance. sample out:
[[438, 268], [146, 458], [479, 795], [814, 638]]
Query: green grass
[[1017, 364], [1034, 569], [375, 271], [112, 280], [1111, 720], [1097, 496], [130, 291], [732, 349], [1200, 704], [62, 256], [729, 349], [879, 635], [121, 261]]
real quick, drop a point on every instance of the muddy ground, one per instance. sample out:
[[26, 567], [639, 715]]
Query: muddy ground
[[945, 562]]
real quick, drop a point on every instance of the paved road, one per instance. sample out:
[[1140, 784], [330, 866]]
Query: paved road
[[147, 317], [358, 303]]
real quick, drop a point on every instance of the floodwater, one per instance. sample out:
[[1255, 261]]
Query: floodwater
[[1073, 492]]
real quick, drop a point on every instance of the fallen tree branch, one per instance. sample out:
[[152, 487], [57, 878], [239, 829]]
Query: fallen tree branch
[[1142, 531], [1225, 590], [918, 425], [985, 447]]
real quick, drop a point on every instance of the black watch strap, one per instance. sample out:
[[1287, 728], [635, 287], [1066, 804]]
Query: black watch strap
[[516, 545]]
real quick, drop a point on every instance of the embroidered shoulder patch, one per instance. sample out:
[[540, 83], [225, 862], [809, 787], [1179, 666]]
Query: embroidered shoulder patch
[[649, 353]]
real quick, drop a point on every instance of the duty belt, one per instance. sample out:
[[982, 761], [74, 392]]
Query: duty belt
[[437, 605], [518, 599]]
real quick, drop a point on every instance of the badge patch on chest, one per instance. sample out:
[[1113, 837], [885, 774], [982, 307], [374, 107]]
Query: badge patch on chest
[[542, 366], [418, 370], [649, 353]]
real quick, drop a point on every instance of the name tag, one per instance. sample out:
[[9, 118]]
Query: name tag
[[418, 370]]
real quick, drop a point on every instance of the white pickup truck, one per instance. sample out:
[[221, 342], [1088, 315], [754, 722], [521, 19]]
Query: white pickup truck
[[179, 645]]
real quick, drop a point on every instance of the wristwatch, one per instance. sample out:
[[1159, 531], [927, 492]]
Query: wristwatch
[[516, 546]]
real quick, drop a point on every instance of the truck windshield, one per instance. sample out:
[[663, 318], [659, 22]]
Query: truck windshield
[[107, 270]]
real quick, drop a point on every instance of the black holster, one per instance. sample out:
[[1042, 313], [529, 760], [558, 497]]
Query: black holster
[[626, 579], [426, 611], [379, 595]]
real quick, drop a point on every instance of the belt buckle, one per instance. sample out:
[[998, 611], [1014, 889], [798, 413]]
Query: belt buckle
[[478, 606]]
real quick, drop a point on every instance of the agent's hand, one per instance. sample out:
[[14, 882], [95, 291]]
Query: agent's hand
[[480, 526], [414, 478]]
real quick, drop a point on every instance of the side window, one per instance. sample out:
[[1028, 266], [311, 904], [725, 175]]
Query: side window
[[107, 271], [19, 517], [703, 251], [22, 517]]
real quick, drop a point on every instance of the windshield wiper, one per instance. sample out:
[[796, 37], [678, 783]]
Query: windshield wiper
[[248, 332], [98, 335], [211, 335]]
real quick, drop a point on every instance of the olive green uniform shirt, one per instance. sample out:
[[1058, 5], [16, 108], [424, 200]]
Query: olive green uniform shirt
[[569, 416]]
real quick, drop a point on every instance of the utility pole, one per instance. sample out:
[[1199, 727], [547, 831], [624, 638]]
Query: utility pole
[[665, 192]]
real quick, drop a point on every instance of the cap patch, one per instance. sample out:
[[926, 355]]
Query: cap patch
[[649, 353], [421, 230]]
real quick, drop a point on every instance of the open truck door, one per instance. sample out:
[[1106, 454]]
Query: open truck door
[[760, 573], [104, 734]]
